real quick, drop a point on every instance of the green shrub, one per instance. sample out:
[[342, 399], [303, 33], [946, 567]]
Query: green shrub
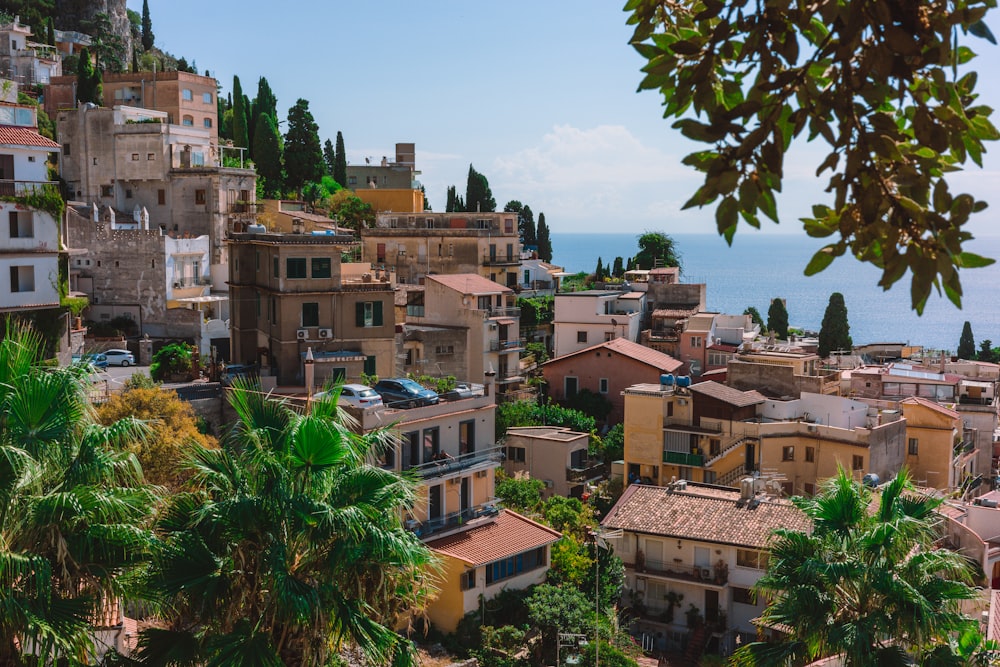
[[171, 359]]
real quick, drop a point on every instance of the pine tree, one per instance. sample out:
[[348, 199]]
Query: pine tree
[[777, 319], [340, 162], [329, 157], [303, 151], [241, 136], [478, 196], [267, 149], [967, 344], [84, 78], [834, 333], [544, 242], [147, 27]]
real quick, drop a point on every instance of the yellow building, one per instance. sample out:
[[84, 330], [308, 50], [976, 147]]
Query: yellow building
[[936, 453]]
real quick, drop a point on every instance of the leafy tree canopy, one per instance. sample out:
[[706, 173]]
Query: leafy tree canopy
[[835, 332], [880, 84], [656, 249], [521, 494], [303, 151], [755, 316], [777, 319], [478, 196]]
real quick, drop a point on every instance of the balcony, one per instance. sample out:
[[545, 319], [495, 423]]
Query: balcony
[[9, 188], [515, 345], [684, 459], [467, 518], [585, 471], [496, 259], [491, 313], [681, 570], [453, 464]]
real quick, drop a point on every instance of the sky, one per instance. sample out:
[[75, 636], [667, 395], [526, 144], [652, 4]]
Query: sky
[[539, 96]]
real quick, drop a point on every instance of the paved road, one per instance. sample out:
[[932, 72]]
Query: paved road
[[117, 376]]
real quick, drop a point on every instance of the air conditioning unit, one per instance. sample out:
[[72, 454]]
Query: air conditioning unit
[[548, 483], [326, 333], [480, 474], [640, 584], [302, 334]]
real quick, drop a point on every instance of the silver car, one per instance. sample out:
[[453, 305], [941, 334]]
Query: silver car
[[120, 358], [356, 396]]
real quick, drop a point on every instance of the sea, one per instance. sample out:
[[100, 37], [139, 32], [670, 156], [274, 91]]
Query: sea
[[759, 267]]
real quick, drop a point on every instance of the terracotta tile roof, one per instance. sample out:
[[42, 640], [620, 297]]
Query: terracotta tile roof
[[24, 136], [734, 397], [937, 407], [675, 312], [706, 514], [509, 535], [641, 353], [469, 283]]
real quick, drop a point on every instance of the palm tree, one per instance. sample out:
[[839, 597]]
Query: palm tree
[[291, 547], [867, 583], [72, 509]]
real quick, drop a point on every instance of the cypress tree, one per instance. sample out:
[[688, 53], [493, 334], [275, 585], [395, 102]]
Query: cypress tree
[[303, 151], [599, 271], [834, 333], [777, 319], [340, 162], [50, 32], [544, 242], [529, 236], [241, 136], [967, 344], [478, 196], [329, 156], [135, 60], [84, 78], [147, 27], [618, 268], [97, 86], [267, 149], [449, 205]]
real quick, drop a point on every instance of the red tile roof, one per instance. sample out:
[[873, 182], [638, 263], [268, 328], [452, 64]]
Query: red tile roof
[[509, 535], [734, 397], [646, 355], [24, 136], [469, 283], [706, 514]]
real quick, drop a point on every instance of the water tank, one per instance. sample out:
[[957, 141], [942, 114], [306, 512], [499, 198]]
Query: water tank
[[870, 480], [256, 229], [683, 380], [667, 379]]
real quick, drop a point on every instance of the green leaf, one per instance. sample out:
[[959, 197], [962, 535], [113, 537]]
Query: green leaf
[[968, 260], [822, 259], [980, 29], [726, 216]]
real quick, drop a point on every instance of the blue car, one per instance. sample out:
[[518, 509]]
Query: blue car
[[98, 360], [405, 393]]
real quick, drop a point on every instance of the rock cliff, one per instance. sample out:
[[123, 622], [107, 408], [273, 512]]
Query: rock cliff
[[74, 15]]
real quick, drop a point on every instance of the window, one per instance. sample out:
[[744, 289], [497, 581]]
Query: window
[[21, 226], [295, 268], [714, 446], [277, 270], [467, 436], [571, 386], [150, 157], [128, 193], [352, 180], [603, 386], [107, 191], [161, 197], [695, 341], [66, 150], [135, 157], [857, 463], [368, 314], [581, 336], [468, 580], [751, 558], [810, 489], [274, 310], [484, 303], [515, 454], [22, 279], [515, 565], [432, 443], [788, 453], [810, 454], [321, 267], [199, 197], [206, 98], [186, 95], [207, 123], [310, 314], [743, 596], [670, 409], [187, 121], [912, 447]]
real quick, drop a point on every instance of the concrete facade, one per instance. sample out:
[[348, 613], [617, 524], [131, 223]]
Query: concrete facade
[[554, 454], [26, 61], [589, 317], [414, 245], [290, 293]]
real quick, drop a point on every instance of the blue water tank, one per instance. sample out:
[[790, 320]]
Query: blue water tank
[[667, 379], [683, 380]]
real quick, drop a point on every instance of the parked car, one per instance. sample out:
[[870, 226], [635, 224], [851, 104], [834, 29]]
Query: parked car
[[98, 360], [120, 358], [356, 396], [461, 390], [405, 393], [233, 371]]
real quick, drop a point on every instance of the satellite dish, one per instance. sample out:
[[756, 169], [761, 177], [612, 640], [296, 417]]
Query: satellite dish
[[614, 322]]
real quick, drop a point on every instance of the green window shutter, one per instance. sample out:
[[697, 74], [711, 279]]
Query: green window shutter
[[359, 314], [370, 365], [377, 314]]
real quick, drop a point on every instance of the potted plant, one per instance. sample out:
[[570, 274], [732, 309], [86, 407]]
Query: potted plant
[[694, 618], [673, 600], [721, 572]]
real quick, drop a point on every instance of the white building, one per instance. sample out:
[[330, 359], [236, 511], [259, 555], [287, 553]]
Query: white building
[[589, 317]]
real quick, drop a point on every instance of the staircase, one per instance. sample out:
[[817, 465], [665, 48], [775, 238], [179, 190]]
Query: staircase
[[732, 477], [696, 643]]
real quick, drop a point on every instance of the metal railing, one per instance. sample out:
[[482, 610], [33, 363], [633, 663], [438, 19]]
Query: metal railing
[[451, 464], [425, 529], [587, 470], [500, 312], [680, 569], [500, 258], [684, 459], [11, 188], [501, 345]]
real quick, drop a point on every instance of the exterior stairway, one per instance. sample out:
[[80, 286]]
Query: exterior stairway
[[696, 643]]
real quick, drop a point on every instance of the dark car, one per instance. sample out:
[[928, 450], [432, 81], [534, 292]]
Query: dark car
[[232, 371], [405, 393]]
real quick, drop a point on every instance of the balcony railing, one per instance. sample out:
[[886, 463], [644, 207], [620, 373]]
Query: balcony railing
[[713, 575], [452, 464], [684, 459], [9, 188], [506, 345], [585, 471], [500, 259], [472, 515], [500, 312]]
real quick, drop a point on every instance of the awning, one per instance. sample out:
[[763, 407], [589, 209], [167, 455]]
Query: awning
[[506, 320], [202, 299]]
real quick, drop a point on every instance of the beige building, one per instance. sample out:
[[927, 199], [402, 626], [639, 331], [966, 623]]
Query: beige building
[[128, 157], [554, 454], [291, 293], [189, 100], [23, 60], [464, 325], [414, 245], [781, 370], [937, 452]]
